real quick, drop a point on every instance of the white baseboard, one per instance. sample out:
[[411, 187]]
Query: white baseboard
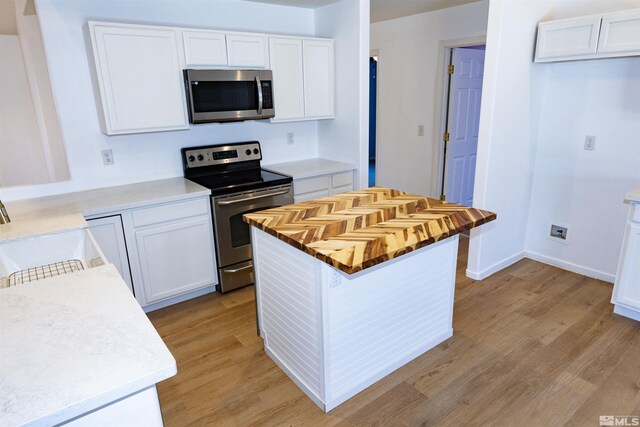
[[580, 269], [481, 275], [623, 311]]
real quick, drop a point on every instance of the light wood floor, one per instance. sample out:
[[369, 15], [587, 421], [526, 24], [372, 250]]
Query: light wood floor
[[532, 346]]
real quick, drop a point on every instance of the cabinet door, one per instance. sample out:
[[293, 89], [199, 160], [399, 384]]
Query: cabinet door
[[567, 38], [140, 78], [627, 286], [286, 64], [204, 48], [176, 257], [247, 50], [109, 235], [318, 78], [620, 33]]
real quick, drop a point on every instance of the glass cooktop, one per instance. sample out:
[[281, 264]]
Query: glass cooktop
[[238, 181]]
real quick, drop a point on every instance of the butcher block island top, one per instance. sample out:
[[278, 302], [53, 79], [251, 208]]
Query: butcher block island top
[[359, 229]]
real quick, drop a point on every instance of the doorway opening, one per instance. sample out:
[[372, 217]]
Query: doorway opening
[[461, 117], [373, 89]]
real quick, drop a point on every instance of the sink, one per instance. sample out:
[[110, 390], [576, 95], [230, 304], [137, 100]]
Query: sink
[[34, 258]]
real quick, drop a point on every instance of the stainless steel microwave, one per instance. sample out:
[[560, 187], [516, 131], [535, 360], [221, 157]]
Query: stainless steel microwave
[[229, 95]]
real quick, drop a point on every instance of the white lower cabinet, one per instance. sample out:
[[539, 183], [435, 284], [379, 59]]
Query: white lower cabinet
[[626, 290], [109, 235], [167, 248], [171, 249], [174, 258]]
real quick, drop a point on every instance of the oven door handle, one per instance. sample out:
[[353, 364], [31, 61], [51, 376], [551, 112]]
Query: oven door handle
[[246, 199], [235, 270]]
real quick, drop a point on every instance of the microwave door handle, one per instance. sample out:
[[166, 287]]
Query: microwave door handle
[[246, 199], [259, 89]]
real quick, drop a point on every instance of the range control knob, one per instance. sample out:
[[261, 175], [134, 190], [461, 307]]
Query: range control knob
[[191, 158], [256, 151], [248, 152], [200, 157]]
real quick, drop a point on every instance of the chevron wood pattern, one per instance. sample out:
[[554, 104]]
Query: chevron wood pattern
[[357, 230]]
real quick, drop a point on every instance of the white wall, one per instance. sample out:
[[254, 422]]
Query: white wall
[[511, 96], [150, 156], [585, 189], [41, 94], [531, 167], [408, 84], [21, 155], [345, 138]]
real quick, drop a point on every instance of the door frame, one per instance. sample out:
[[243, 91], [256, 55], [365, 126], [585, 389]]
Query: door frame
[[376, 53], [439, 125]]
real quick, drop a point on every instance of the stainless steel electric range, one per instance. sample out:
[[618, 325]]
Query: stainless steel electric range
[[238, 186]]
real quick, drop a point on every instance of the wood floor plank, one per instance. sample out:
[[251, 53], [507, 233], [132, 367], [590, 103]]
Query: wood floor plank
[[533, 345]]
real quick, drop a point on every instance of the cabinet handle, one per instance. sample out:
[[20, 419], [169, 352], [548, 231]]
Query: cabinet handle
[[259, 87], [235, 270]]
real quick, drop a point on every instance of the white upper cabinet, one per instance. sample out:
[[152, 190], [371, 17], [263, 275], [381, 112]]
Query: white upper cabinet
[[247, 50], [318, 78], [620, 33], [139, 74], [204, 48], [288, 86], [589, 37], [567, 38], [303, 78]]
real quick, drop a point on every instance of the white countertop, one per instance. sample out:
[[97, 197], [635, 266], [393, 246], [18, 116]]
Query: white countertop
[[633, 195], [72, 343], [67, 211], [309, 167]]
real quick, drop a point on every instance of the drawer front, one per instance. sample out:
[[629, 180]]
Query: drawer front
[[170, 212], [311, 185], [342, 189], [310, 196], [342, 179]]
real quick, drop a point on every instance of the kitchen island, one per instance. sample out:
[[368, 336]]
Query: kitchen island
[[351, 287]]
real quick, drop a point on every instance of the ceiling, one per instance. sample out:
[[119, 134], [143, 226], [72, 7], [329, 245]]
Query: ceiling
[[381, 10]]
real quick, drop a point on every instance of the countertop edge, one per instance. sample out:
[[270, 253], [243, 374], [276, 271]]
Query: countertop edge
[[374, 261], [51, 214], [111, 396], [633, 195], [93, 212], [292, 168], [142, 379]]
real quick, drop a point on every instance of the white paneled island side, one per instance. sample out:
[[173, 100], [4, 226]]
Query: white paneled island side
[[352, 287]]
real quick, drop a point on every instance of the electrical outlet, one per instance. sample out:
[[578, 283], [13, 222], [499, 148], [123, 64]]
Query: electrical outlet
[[590, 142], [420, 130], [558, 232], [290, 138], [107, 157]]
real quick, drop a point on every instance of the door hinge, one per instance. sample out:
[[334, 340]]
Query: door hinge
[[445, 137], [450, 69]]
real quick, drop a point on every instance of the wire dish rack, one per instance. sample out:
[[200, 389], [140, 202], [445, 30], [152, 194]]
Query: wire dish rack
[[44, 271]]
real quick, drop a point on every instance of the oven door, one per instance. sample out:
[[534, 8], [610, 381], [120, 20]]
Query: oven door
[[233, 236]]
